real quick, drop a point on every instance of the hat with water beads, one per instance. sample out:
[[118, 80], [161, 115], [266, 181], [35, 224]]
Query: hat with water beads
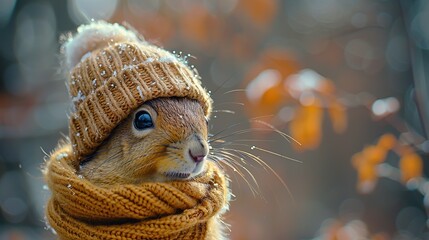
[[111, 72]]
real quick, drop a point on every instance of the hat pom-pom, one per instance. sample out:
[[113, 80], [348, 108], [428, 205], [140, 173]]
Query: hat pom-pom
[[91, 37]]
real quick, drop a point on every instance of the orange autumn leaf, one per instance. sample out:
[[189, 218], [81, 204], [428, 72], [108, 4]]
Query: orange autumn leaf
[[411, 166], [374, 154], [387, 141], [268, 74], [332, 230], [152, 25], [306, 126], [326, 87], [199, 26], [265, 93], [272, 99], [242, 46], [366, 163], [379, 236], [260, 12], [280, 59], [337, 113], [367, 176], [357, 158]]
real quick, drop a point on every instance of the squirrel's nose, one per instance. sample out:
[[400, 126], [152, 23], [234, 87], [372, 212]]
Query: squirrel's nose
[[197, 157], [197, 149]]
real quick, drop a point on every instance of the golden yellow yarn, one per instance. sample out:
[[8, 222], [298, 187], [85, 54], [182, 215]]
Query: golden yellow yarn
[[174, 210]]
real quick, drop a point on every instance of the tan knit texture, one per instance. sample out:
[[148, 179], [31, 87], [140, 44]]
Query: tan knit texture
[[111, 82], [173, 210]]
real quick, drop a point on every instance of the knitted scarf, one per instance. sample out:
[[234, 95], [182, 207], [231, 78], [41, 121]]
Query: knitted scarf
[[78, 209]]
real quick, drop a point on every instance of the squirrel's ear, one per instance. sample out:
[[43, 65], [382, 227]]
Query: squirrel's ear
[[94, 36]]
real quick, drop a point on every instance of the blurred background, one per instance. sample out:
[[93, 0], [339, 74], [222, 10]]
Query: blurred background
[[346, 79]]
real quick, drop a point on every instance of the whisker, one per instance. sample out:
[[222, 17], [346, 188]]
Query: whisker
[[238, 132], [277, 154], [221, 85], [284, 135], [262, 163], [218, 162], [229, 164], [241, 157], [250, 120], [268, 151], [229, 127], [253, 140], [235, 90], [223, 111], [226, 155], [225, 103]]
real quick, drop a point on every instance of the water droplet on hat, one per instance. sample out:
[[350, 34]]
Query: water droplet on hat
[[140, 92], [69, 186], [63, 155]]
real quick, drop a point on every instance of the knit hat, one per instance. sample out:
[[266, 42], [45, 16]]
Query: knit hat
[[111, 72]]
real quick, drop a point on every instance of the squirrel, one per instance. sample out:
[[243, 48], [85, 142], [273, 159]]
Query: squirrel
[[139, 118], [165, 139]]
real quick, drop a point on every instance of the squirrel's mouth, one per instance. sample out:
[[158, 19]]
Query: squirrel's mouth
[[178, 175]]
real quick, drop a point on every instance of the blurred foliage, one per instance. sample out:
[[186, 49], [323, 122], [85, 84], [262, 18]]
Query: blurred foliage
[[345, 79]]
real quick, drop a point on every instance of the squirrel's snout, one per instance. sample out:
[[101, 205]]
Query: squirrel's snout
[[197, 150]]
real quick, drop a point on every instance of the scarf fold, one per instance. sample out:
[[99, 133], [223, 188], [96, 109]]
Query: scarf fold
[[78, 209]]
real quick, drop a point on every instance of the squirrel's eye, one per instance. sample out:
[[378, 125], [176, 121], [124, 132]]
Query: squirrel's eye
[[143, 121]]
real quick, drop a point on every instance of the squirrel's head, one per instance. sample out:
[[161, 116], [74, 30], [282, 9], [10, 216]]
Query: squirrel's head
[[164, 139]]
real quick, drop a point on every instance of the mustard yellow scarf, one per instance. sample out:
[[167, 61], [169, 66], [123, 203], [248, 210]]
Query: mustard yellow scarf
[[80, 210]]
